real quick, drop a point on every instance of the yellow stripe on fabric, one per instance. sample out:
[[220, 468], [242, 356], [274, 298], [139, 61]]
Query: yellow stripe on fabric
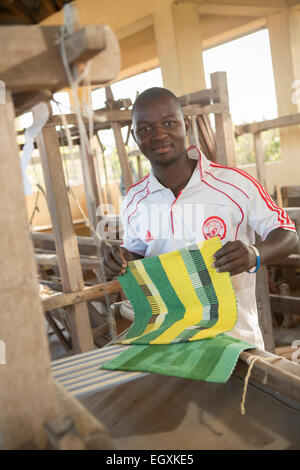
[[177, 273], [157, 304], [224, 291], [149, 328]]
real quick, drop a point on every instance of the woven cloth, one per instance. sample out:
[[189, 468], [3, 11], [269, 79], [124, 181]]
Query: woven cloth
[[179, 296], [183, 307], [210, 360]]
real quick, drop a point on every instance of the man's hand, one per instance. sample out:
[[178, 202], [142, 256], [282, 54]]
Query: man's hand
[[235, 257], [115, 259]]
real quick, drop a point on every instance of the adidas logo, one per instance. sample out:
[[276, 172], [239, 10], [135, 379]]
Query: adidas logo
[[148, 236]]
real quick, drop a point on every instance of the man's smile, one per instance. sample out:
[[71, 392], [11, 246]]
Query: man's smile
[[162, 148]]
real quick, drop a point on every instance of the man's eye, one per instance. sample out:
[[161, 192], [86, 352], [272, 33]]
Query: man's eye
[[169, 123], [144, 129]]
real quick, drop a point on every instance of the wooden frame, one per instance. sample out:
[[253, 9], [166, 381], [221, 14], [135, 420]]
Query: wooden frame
[[32, 406], [29, 396]]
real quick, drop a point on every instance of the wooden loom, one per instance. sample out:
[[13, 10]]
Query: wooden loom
[[34, 408], [35, 412], [218, 145]]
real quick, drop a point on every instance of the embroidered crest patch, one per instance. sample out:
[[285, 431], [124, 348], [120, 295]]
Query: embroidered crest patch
[[214, 227]]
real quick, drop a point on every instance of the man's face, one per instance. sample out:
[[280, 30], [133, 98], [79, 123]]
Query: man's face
[[159, 130]]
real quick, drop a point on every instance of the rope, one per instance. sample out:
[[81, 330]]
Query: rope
[[252, 362]]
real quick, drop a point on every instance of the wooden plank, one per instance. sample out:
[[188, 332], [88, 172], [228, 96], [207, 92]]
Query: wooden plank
[[285, 304], [25, 100], [224, 128], [198, 110], [86, 293], [290, 191], [260, 160], [86, 245], [27, 392], [292, 261], [106, 117], [19, 10], [264, 309], [282, 121], [201, 97], [65, 239], [237, 10], [280, 375], [84, 44], [90, 429], [49, 259], [34, 48], [122, 154], [118, 115], [123, 157], [87, 161]]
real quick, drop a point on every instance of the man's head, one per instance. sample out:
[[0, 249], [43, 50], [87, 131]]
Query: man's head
[[159, 127]]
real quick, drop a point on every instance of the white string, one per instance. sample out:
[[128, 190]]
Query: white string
[[85, 147], [251, 364]]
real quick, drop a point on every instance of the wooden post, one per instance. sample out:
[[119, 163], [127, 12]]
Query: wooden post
[[122, 154], [259, 157], [27, 389], [264, 308], [224, 128], [65, 239], [71, 20]]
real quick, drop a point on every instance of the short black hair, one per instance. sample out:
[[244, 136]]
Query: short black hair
[[152, 93]]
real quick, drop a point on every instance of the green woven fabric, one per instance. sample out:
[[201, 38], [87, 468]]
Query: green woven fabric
[[211, 360], [179, 296], [183, 310]]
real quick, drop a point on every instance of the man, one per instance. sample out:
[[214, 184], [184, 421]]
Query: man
[[187, 199]]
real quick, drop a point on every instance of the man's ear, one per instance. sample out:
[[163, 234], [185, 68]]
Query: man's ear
[[186, 125]]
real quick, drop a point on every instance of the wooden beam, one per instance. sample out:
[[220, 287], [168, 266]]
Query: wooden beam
[[201, 97], [85, 44], [86, 245], [264, 309], [111, 115], [49, 6], [124, 116], [292, 261], [65, 239], [25, 100], [34, 48], [49, 259], [285, 304], [255, 127], [280, 375], [122, 154], [256, 11], [86, 293], [19, 10], [260, 160], [27, 392], [224, 128]]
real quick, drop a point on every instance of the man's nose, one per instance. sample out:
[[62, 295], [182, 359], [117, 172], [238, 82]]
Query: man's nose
[[159, 132]]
